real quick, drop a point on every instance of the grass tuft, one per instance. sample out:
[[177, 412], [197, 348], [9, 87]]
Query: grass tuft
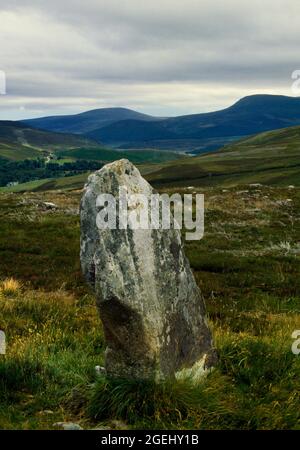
[[10, 287], [166, 402]]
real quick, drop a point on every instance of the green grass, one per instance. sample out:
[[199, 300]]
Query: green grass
[[248, 268], [142, 401], [45, 362]]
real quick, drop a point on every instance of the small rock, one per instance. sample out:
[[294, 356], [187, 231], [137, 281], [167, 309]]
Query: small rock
[[118, 425], [72, 211], [100, 370], [67, 426], [49, 205], [45, 412], [284, 202]]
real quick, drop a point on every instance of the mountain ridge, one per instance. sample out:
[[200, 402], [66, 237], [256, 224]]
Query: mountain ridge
[[249, 115], [84, 122]]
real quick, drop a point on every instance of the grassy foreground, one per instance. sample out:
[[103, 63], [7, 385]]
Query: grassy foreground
[[248, 268]]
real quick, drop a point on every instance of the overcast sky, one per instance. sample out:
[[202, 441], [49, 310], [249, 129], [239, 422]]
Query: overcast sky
[[163, 57]]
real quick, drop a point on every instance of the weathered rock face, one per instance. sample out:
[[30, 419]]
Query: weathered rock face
[[151, 308]]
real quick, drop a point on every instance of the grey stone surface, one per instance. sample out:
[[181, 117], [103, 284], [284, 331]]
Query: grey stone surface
[[152, 311]]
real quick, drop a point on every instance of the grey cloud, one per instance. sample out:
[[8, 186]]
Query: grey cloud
[[98, 51]]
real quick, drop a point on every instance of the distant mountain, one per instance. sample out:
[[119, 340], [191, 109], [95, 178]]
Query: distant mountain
[[19, 141], [87, 121], [248, 116], [132, 131], [196, 133]]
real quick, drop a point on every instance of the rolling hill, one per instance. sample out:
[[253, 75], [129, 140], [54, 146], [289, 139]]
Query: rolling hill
[[271, 158]]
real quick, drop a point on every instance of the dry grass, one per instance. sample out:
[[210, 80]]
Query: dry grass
[[10, 287]]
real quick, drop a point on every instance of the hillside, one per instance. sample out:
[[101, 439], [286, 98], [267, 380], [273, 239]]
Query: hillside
[[19, 141], [268, 158], [132, 131], [87, 121], [106, 155]]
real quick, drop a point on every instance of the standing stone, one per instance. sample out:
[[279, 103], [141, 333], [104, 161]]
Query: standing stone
[[151, 308]]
